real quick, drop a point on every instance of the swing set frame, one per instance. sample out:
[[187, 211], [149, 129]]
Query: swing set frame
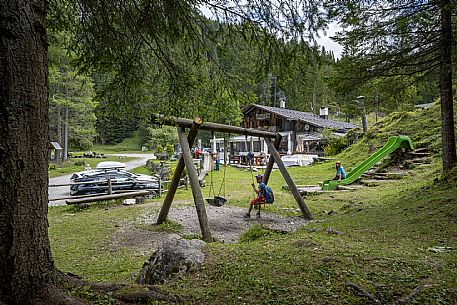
[[186, 161]]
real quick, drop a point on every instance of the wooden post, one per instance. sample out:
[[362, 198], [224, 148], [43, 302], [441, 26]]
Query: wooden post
[[160, 187], [177, 175], [196, 191], [271, 161], [289, 181], [110, 187]]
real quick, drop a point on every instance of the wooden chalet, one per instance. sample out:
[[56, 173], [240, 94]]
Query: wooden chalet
[[301, 131]]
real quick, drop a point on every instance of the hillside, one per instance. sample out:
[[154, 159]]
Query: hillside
[[422, 126]]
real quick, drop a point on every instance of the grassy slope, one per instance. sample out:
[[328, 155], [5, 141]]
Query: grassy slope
[[388, 231], [132, 145]]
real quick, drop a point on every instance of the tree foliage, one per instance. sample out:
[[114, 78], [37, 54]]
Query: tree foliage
[[69, 91], [171, 55], [410, 40], [161, 136]]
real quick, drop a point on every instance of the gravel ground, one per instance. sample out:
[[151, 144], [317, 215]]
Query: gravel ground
[[226, 223]]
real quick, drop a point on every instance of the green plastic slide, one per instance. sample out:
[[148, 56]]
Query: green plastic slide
[[392, 144]]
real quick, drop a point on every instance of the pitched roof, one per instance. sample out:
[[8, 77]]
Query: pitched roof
[[306, 117], [54, 145]]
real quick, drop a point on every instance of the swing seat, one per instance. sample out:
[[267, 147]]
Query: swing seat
[[217, 201]]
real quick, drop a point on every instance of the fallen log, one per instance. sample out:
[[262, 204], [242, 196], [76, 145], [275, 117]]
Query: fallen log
[[286, 187], [421, 161], [393, 174], [421, 149], [107, 197], [419, 154], [345, 188], [381, 177], [370, 183]]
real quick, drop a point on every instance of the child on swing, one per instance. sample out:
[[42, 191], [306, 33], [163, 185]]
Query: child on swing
[[260, 196]]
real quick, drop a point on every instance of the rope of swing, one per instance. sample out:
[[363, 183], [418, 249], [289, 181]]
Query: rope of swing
[[211, 187], [250, 168], [225, 168]]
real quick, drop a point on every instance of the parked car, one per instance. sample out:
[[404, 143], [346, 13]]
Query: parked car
[[298, 160], [111, 165], [96, 181]]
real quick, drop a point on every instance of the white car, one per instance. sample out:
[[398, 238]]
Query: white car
[[111, 165], [298, 160]]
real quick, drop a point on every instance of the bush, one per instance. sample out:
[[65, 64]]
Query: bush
[[170, 149], [335, 146], [161, 136], [159, 148]]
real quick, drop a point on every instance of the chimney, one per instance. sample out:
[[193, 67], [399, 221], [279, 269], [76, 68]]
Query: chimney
[[323, 113], [282, 104]]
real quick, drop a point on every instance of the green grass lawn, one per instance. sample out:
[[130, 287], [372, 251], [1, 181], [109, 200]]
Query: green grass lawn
[[387, 232], [128, 145], [382, 238], [74, 165]]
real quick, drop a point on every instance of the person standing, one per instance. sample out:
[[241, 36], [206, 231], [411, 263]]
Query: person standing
[[217, 159]]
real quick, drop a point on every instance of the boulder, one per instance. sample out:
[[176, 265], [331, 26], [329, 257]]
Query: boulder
[[173, 258]]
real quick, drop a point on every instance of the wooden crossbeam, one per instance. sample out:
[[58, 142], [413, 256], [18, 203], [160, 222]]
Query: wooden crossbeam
[[187, 123]]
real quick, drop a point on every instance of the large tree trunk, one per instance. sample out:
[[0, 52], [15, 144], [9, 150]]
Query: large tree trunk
[[26, 265], [447, 106]]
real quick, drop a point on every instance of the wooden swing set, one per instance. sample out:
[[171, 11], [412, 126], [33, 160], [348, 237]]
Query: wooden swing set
[[187, 140]]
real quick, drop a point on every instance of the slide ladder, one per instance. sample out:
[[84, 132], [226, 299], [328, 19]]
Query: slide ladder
[[392, 144]]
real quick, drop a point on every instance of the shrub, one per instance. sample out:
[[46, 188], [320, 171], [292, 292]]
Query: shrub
[[159, 148], [335, 146], [170, 149], [161, 136]]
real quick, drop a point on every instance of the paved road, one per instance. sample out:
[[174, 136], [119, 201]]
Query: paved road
[[64, 191]]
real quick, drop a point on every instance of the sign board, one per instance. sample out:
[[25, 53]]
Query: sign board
[[262, 116]]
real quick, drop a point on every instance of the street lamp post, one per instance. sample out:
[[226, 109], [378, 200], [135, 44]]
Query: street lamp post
[[361, 102]]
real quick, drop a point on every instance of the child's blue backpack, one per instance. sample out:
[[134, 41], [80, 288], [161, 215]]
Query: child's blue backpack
[[269, 196]]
